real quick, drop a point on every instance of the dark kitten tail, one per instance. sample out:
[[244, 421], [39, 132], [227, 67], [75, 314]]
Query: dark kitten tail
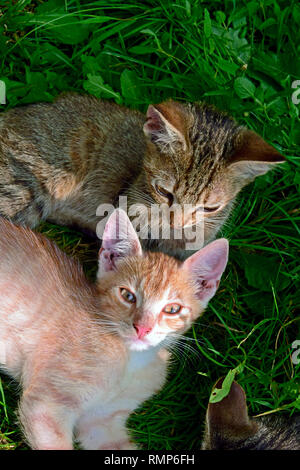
[[227, 421], [228, 426], [19, 204], [23, 198]]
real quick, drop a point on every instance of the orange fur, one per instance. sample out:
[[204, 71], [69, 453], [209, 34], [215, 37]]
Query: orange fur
[[70, 342]]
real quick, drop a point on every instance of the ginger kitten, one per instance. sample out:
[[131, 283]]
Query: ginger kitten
[[229, 427], [60, 161], [86, 355]]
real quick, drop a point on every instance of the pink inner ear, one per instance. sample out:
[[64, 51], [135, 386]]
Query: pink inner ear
[[107, 260], [210, 261], [119, 241], [207, 266], [116, 229], [154, 121]]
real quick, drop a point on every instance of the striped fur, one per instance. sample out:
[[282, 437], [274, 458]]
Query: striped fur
[[60, 161]]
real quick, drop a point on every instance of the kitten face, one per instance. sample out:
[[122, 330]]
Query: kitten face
[[151, 295], [201, 157], [146, 300]]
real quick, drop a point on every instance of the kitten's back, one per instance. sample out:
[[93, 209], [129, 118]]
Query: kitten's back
[[49, 151], [37, 280], [42, 292], [27, 254]]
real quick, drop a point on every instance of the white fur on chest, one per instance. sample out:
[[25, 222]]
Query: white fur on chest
[[144, 374], [140, 360]]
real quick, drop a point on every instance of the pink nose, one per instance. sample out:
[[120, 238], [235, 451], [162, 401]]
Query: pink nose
[[142, 330]]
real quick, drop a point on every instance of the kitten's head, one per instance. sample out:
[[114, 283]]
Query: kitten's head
[[228, 426], [151, 296], [200, 156]]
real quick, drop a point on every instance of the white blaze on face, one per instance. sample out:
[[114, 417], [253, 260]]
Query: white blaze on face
[[159, 320], [140, 294]]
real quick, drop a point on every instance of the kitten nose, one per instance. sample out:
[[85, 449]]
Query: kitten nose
[[142, 330]]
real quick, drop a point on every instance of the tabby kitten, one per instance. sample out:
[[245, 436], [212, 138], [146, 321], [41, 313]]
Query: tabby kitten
[[228, 426], [60, 161], [86, 354]]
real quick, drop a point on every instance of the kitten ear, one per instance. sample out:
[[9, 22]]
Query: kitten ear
[[229, 418], [166, 126], [207, 266], [118, 242], [253, 157]]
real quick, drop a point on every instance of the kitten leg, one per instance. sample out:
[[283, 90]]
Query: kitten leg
[[46, 426], [104, 433]]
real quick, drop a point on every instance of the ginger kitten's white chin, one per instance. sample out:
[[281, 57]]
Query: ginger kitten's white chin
[[136, 344], [139, 345]]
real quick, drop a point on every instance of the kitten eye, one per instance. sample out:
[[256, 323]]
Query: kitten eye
[[211, 209], [163, 192], [127, 295], [172, 308], [207, 209]]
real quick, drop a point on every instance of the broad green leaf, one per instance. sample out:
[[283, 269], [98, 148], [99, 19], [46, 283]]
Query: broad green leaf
[[90, 65], [207, 23], [219, 393], [238, 46], [130, 85], [61, 26], [96, 86], [267, 23], [228, 66], [243, 87], [239, 22], [220, 16], [188, 8], [262, 272]]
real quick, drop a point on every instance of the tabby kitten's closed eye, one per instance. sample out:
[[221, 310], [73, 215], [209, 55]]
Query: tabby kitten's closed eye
[[88, 354], [228, 426], [61, 161]]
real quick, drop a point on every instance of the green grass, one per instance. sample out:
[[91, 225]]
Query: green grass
[[243, 56]]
